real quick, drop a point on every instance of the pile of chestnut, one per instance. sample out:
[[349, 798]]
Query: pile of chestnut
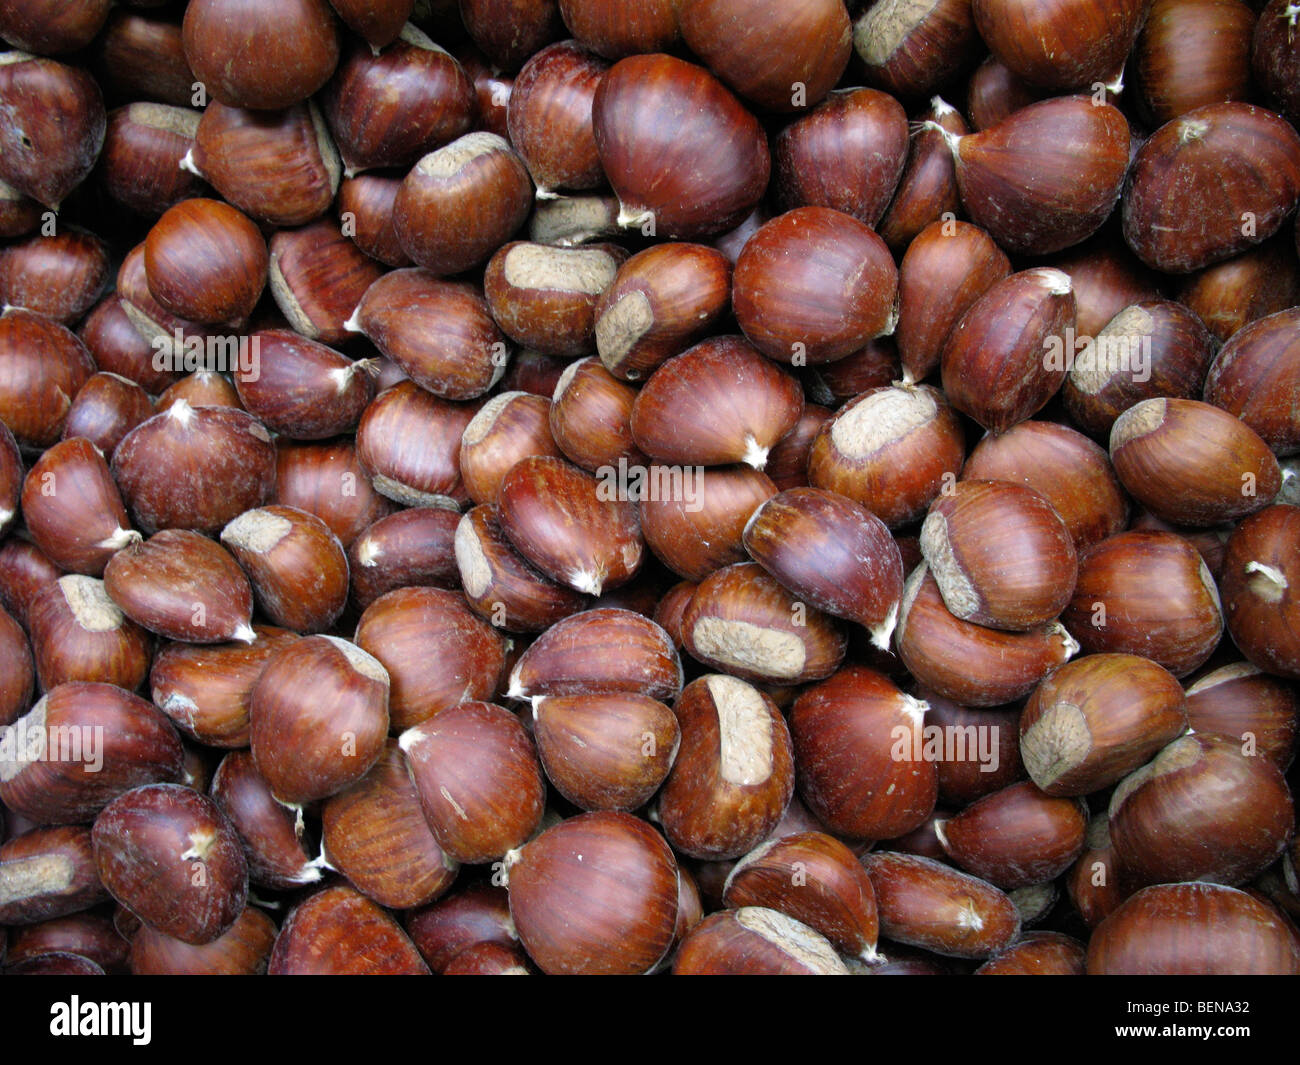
[[624, 486]]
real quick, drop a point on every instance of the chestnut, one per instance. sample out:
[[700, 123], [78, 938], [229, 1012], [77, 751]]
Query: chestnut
[[911, 51], [59, 276], [183, 586], [927, 191], [79, 633], [81, 746], [243, 950], [249, 55], [599, 651], [170, 855], [755, 941], [414, 547], [1201, 810], [296, 566], [319, 715], [408, 442], [1260, 577], [54, 126], [605, 751], [595, 894], [814, 285], [860, 755], [1174, 929], [327, 480], [590, 418], [891, 449], [479, 780], [1177, 214], [42, 367], [279, 167], [1254, 378], [107, 408], [375, 833], [462, 202], [340, 931], [1098, 718], [1217, 33], [1242, 701], [734, 772], [1191, 463], [436, 650], [549, 117], [717, 403], [684, 156], [48, 873], [1146, 593], [661, 301], [388, 108], [1000, 554]]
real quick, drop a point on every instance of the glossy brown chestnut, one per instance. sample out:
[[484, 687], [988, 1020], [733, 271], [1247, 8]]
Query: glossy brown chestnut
[[718, 403], [54, 128], [860, 755], [1191, 463], [1016, 837], [462, 202], [599, 651], [408, 443], [1254, 377], [660, 302], [910, 50], [339, 931], [1062, 45], [1005, 358], [1261, 589], [1150, 349], [1047, 176], [79, 633], [1201, 810], [1172, 929], [81, 746], [249, 55], [365, 214], [1146, 593], [296, 566], [411, 548], [1177, 214], [1245, 703], [206, 690], [890, 449], [1000, 554], [969, 663], [441, 333], [499, 583], [572, 526], [479, 780], [608, 751], [1096, 719], [106, 409], [59, 276], [549, 117], [73, 510], [743, 622], [617, 878], [927, 904], [683, 155], [319, 715], [270, 832], [544, 297], [1190, 54], [814, 285], [476, 914], [755, 941], [437, 652], [327, 480], [389, 108], [241, 951], [734, 772], [17, 671], [279, 167], [1065, 467], [42, 367], [376, 835], [173, 858], [183, 586]]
